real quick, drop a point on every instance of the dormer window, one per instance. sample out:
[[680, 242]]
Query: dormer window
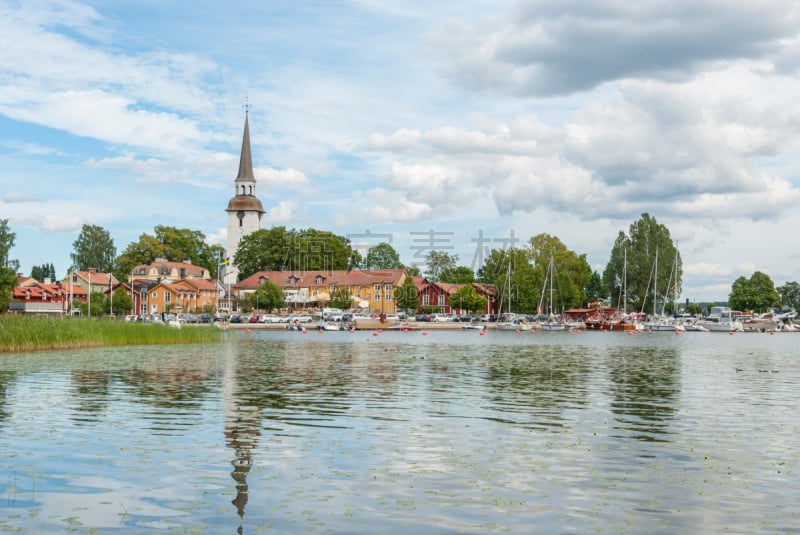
[[319, 279]]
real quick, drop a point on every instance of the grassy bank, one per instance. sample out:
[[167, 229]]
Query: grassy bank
[[27, 333]]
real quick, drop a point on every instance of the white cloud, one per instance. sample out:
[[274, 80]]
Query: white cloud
[[284, 213], [548, 47], [281, 178]]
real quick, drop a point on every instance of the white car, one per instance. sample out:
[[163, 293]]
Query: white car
[[440, 317]]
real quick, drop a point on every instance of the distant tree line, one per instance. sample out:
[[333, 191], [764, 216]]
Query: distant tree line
[[644, 271]]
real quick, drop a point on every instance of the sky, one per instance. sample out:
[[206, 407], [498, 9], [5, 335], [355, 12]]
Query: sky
[[455, 126]]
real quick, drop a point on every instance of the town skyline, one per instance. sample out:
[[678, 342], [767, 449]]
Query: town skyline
[[457, 126]]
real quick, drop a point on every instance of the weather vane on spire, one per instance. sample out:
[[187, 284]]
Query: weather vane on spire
[[246, 105]]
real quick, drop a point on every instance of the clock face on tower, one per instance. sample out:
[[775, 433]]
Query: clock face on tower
[[240, 215]]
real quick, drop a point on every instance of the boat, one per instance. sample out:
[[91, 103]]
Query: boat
[[508, 321], [551, 322], [660, 322], [613, 320], [720, 319]]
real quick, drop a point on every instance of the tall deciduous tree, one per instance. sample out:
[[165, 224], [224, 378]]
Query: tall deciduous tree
[[571, 272], [278, 249], [175, 245], [8, 275], [438, 262], [457, 275], [628, 274], [516, 280], [790, 295], [382, 256], [756, 293], [94, 248]]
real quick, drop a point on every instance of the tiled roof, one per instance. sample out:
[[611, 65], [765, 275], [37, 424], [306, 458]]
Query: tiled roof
[[354, 277], [159, 265]]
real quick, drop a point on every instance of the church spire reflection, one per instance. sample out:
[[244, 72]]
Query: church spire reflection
[[242, 429]]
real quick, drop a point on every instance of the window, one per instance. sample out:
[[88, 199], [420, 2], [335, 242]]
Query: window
[[426, 299], [143, 297], [377, 288], [441, 300], [319, 279], [387, 287], [377, 297], [154, 295], [142, 309], [387, 297], [167, 297]]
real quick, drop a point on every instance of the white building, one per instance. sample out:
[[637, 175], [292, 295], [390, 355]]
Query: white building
[[244, 209]]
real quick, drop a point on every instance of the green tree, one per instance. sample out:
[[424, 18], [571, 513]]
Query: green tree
[[596, 290], [382, 256], [121, 301], [8, 267], [628, 274], [173, 244], [457, 275], [467, 298], [518, 283], [279, 249], [438, 262], [94, 248], [268, 296], [411, 271], [571, 272], [406, 295], [45, 271], [756, 293], [790, 295]]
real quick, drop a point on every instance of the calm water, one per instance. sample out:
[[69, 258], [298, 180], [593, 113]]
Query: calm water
[[402, 432]]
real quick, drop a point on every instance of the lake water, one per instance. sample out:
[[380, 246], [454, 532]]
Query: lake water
[[446, 432]]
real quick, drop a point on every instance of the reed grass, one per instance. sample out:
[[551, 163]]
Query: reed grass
[[28, 333]]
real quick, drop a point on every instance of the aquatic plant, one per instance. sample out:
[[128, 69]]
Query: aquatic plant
[[25, 333]]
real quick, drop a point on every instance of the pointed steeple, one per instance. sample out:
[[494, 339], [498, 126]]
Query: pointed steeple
[[246, 159]]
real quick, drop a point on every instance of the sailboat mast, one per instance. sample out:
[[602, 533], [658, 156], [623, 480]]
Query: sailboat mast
[[655, 285]]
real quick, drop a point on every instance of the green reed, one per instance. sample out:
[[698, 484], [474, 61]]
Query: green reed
[[26, 333]]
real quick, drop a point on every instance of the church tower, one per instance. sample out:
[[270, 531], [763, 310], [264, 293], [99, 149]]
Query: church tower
[[244, 209]]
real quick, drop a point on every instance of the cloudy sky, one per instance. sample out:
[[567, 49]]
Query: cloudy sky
[[452, 125]]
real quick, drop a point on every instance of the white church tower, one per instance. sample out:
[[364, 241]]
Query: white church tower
[[244, 209]]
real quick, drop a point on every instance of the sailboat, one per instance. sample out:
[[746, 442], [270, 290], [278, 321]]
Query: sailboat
[[618, 322], [508, 320], [551, 323], [661, 322]]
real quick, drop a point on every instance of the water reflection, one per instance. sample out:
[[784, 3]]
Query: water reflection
[[645, 385], [437, 434], [540, 382], [6, 379], [90, 396]]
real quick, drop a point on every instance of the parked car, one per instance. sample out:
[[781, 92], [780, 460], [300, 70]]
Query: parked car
[[439, 317], [235, 318], [205, 317], [254, 318]]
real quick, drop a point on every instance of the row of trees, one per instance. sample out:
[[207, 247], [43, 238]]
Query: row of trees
[[629, 280]]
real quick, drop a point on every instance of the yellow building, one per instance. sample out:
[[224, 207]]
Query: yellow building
[[372, 291]]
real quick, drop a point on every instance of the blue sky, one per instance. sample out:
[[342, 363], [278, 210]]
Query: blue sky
[[409, 120]]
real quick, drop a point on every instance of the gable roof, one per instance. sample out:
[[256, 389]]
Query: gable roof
[[354, 277]]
